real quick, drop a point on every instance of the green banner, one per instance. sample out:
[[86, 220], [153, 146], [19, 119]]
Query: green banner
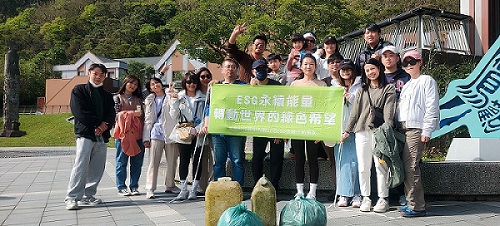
[[291, 112]]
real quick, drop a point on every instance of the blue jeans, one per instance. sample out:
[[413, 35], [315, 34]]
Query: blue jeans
[[346, 162], [121, 166], [232, 147]]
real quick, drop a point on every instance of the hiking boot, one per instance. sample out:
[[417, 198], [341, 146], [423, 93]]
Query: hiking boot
[[342, 201], [356, 201], [71, 204], [382, 206], [366, 205]]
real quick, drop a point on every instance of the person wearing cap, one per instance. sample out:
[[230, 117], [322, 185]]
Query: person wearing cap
[[394, 74], [310, 39], [329, 47], [296, 53], [274, 62], [277, 147], [346, 161], [418, 117], [393, 71], [375, 93], [374, 43], [245, 60]]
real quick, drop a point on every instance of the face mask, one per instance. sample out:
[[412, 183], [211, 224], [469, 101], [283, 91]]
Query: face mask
[[261, 74]]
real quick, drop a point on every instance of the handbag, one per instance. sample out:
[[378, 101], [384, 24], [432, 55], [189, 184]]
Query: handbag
[[376, 113], [184, 129]]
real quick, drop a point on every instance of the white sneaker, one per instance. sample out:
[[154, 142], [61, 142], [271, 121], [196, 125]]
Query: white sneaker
[[382, 206], [311, 196], [150, 195], [342, 201], [192, 195], [183, 195], [90, 201], [71, 204], [366, 205], [356, 201]]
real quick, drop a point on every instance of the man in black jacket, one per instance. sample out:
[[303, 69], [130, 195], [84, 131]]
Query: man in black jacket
[[373, 46], [93, 109]]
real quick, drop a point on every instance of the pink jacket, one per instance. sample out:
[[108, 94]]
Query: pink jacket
[[128, 129]]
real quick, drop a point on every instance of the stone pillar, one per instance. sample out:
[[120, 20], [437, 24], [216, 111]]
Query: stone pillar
[[11, 97]]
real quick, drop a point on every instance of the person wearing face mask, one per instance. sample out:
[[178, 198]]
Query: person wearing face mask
[[277, 146]]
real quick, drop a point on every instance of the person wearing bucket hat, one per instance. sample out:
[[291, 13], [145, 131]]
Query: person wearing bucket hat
[[277, 146], [245, 60], [374, 43], [417, 123]]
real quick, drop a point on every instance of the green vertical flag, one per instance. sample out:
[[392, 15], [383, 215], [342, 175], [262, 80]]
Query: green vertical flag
[[291, 112]]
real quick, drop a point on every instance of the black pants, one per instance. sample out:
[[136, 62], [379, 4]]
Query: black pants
[[259, 153], [185, 153], [300, 160]]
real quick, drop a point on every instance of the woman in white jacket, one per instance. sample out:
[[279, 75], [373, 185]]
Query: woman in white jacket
[[157, 127], [188, 106]]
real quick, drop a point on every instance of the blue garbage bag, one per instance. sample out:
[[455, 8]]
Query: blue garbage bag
[[303, 211], [239, 215]]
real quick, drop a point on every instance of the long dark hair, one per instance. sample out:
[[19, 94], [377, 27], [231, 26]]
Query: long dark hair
[[308, 55], [381, 75], [201, 70], [131, 78]]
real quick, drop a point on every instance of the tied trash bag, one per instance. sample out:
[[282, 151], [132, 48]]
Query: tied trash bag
[[239, 215], [303, 211]]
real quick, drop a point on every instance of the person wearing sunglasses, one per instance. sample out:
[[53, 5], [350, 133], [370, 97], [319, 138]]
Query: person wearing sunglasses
[[188, 106], [245, 60], [418, 117], [205, 77]]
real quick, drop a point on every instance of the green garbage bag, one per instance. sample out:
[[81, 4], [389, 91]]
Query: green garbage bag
[[239, 215], [303, 211]]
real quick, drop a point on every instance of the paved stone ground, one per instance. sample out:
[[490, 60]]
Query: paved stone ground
[[33, 189]]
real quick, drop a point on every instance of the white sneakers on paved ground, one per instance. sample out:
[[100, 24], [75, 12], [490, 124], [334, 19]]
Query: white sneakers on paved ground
[[342, 201], [192, 195], [183, 195], [311, 196], [134, 191], [366, 205], [71, 204], [356, 201], [90, 201], [382, 206], [150, 195], [123, 192]]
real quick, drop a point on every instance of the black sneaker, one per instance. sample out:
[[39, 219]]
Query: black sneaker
[[413, 213]]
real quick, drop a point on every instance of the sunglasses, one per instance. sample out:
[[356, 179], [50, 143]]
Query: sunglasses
[[311, 41], [411, 62], [205, 76], [190, 82], [259, 44]]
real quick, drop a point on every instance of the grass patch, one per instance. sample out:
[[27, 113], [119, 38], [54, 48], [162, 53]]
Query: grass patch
[[49, 130]]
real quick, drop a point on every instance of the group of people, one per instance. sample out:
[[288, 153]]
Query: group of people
[[383, 94]]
